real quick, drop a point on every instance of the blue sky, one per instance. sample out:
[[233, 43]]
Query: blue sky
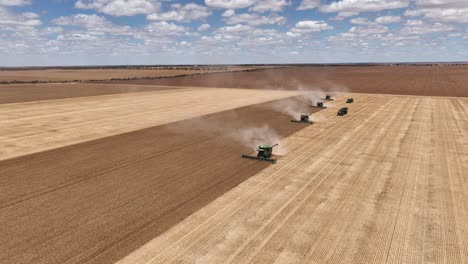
[[87, 32]]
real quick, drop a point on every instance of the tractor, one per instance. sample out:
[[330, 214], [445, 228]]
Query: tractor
[[343, 111], [264, 153]]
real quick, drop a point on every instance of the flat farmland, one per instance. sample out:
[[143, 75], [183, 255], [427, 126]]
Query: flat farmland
[[444, 80], [142, 173], [60, 75], [384, 184]]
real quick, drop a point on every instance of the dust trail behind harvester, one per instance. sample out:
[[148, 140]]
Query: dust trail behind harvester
[[232, 127]]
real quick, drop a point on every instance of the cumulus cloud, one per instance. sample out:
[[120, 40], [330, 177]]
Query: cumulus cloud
[[245, 36], [270, 6], [182, 13], [82, 20], [10, 20], [235, 28], [388, 19], [343, 15], [308, 4], [308, 26], [228, 13], [360, 21], [230, 4], [14, 2], [441, 10], [166, 28], [419, 27], [364, 36], [346, 8], [93, 25], [204, 27], [371, 29], [254, 19], [120, 7]]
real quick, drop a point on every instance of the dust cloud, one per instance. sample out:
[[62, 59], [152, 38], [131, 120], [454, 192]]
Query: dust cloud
[[232, 127]]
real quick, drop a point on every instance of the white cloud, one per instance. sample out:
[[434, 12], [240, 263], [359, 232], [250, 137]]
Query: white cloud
[[270, 5], [204, 27], [235, 28], [10, 20], [347, 7], [441, 10], [371, 29], [228, 13], [388, 19], [120, 7], [14, 2], [82, 20], [93, 24], [184, 13], [254, 19], [230, 4], [360, 21], [441, 14], [310, 26], [419, 27], [442, 3], [308, 4], [343, 15], [165, 28], [293, 35]]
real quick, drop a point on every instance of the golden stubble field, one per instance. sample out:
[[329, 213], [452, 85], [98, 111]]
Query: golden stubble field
[[385, 184]]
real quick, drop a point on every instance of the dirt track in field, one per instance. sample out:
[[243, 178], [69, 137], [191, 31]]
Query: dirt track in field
[[408, 80], [98, 201], [41, 125], [385, 184]]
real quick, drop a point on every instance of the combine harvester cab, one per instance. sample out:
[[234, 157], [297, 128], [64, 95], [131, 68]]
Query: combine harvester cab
[[350, 100], [319, 105], [304, 119], [343, 111], [264, 153]]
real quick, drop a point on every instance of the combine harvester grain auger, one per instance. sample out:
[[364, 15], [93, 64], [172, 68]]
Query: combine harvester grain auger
[[319, 105], [264, 153], [350, 100], [343, 111], [304, 119]]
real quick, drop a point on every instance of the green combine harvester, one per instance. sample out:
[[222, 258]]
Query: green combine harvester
[[304, 119], [319, 105], [350, 101], [328, 98], [264, 153]]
